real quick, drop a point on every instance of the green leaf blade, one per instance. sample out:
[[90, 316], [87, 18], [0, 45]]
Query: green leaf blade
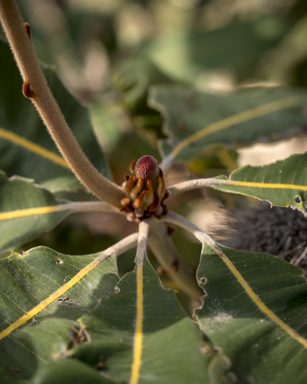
[[108, 314], [195, 120], [170, 343], [283, 183], [28, 280], [26, 210], [69, 371], [263, 333]]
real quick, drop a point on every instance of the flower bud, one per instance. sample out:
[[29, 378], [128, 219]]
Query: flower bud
[[146, 167], [145, 189]]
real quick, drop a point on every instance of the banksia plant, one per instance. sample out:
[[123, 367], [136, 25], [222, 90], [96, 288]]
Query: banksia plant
[[236, 316]]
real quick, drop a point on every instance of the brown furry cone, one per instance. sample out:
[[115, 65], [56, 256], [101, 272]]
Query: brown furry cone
[[278, 231]]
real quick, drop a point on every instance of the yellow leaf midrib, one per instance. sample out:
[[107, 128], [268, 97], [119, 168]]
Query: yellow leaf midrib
[[59, 292], [19, 213], [232, 120], [259, 303], [138, 335], [264, 185], [32, 147]]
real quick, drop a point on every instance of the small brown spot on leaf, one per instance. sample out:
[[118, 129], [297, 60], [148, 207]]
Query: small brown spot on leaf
[[65, 299], [100, 364]]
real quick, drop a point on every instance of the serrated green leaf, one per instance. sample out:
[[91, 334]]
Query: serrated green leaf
[[194, 120], [26, 148], [255, 311], [170, 347], [26, 210], [25, 282], [283, 183], [186, 54]]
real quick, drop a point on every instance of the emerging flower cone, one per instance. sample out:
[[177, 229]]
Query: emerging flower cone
[[145, 190]]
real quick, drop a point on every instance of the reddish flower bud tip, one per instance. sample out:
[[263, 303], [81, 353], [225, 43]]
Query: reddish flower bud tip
[[146, 167]]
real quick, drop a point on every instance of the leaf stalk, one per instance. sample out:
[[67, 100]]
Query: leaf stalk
[[180, 221], [144, 228], [169, 258], [189, 185]]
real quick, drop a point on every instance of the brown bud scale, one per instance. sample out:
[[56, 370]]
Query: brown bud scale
[[26, 89], [28, 29]]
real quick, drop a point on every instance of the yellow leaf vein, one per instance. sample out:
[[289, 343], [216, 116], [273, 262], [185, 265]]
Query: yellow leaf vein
[[32, 147], [237, 119]]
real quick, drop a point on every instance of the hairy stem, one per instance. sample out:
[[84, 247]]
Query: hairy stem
[[193, 184], [35, 87], [180, 221], [144, 227], [168, 256], [122, 246]]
